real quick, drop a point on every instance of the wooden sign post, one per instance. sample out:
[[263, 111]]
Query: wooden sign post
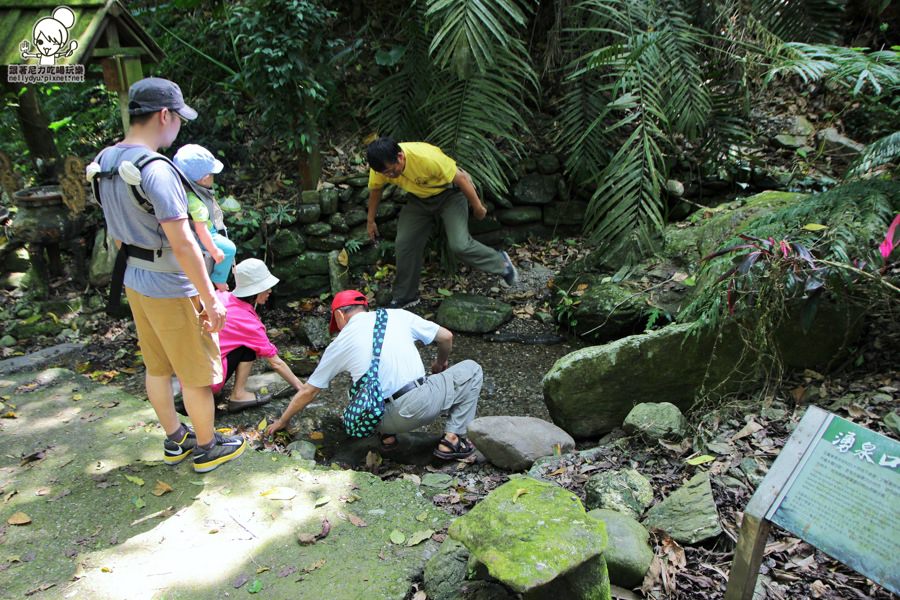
[[835, 485]]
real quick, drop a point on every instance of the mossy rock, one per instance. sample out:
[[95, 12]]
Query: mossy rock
[[529, 532], [287, 243], [628, 554], [473, 314]]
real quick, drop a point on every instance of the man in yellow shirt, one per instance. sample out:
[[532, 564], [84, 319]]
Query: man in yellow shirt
[[438, 188]]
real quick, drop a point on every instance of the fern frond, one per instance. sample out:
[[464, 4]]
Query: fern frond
[[688, 101], [879, 152], [472, 31], [397, 100], [853, 68], [817, 21], [471, 115]]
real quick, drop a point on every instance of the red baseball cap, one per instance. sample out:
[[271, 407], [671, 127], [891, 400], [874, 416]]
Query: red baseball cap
[[342, 299]]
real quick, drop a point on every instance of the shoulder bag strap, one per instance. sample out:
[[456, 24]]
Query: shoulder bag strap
[[378, 338]]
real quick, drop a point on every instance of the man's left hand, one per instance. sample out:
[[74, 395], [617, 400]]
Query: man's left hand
[[479, 211]]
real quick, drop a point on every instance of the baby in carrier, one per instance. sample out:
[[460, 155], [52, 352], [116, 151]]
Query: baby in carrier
[[200, 166]]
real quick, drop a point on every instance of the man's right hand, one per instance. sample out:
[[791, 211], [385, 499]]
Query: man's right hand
[[372, 228], [213, 315]]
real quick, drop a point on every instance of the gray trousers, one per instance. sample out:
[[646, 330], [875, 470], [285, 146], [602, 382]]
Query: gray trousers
[[454, 391], [414, 228]]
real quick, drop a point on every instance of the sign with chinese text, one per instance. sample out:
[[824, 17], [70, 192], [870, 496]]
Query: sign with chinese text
[[844, 498]]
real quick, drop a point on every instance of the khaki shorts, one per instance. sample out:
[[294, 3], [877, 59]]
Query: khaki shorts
[[173, 339]]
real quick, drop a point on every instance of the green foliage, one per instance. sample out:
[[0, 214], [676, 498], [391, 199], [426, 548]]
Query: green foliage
[[878, 153], [463, 88], [286, 62], [853, 68], [854, 215]]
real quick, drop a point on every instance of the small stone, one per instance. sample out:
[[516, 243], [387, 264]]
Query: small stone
[[302, 449], [318, 229], [7, 341], [689, 513], [287, 243], [535, 189], [514, 443], [628, 554], [790, 141], [891, 420], [308, 213], [309, 197], [625, 491], [547, 164], [656, 420], [328, 200]]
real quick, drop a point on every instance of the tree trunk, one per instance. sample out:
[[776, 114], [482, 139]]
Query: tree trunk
[[38, 137]]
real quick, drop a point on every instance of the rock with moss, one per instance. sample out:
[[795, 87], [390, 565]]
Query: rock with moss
[[448, 577], [628, 554], [520, 215], [308, 213], [656, 421], [588, 581], [625, 491], [706, 231], [535, 189], [469, 313], [287, 243], [547, 164], [590, 391], [328, 200], [689, 513], [529, 532], [565, 213], [608, 311], [327, 243]]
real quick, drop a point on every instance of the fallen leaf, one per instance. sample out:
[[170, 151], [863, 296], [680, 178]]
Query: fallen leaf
[[112, 404], [419, 537], [135, 480], [343, 258], [322, 501], [326, 529], [262, 425], [814, 227], [162, 488], [519, 492], [34, 456], [139, 502], [415, 479], [255, 587], [748, 429], [239, 581], [60, 495], [279, 493], [262, 570], [397, 537], [306, 538], [421, 516], [558, 471], [316, 436], [287, 571], [444, 292], [9, 496], [357, 521], [316, 565], [19, 518], [77, 397], [8, 415], [699, 460], [105, 570], [856, 411]]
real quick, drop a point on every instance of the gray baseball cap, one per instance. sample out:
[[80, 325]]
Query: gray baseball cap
[[153, 94]]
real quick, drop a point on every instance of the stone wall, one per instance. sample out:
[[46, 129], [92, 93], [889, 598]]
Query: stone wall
[[537, 204]]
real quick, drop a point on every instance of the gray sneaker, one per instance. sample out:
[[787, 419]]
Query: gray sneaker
[[225, 449], [175, 452], [510, 275]]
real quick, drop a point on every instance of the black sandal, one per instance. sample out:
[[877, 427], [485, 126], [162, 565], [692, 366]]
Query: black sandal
[[461, 449], [259, 400], [389, 446]]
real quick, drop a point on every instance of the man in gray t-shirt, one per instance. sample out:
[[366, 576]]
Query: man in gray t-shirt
[[175, 309]]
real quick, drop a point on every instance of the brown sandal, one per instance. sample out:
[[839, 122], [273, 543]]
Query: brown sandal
[[259, 400]]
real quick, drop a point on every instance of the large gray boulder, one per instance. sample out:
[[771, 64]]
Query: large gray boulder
[[628, 554], [656, 421], [590, 391], [625, 491], [473, 314], [514, 443], [447, 577], [529, 532], [689, 513]]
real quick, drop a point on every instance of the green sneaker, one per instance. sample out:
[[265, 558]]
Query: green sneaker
[[225, 449]]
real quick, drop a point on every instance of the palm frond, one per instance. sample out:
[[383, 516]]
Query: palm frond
[[471, 115], [879, 152], [472, 31], [688, 102], [396, 107], [853, 68], [817, 21]]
